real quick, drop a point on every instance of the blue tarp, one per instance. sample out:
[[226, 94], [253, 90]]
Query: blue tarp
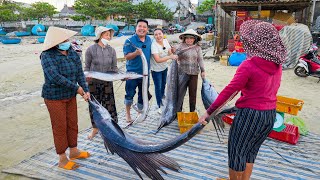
[[114, 27], [87, 30], [237, 58], [128, 30], [203, 157]]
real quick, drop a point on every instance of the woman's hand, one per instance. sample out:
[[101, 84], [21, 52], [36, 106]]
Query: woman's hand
[[203, 118], [80, 91], [174, 57], [173, 49], [86, 96], [203, 75]]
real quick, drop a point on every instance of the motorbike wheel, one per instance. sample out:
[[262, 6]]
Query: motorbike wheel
[[300, 71]]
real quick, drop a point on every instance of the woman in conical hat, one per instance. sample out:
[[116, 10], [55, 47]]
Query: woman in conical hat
[[258, 78], [64, 79], [101, 57], [190, 63]]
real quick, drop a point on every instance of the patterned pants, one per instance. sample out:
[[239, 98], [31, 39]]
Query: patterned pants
[[64, 121], [248, 131], [103, 92]]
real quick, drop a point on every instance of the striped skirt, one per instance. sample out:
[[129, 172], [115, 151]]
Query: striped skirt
[[103, 92], [248, 131]]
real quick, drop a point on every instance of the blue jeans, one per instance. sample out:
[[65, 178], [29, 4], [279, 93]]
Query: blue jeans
[[160, 80], [131, 86]]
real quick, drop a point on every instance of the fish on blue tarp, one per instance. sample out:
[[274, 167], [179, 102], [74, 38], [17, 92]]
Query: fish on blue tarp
[[143, 155]]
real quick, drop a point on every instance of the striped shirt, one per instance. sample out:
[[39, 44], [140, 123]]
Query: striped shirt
[[62, 74], [191, 60], [156, 48]]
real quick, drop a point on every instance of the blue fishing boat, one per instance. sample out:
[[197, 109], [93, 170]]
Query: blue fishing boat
[[22, 33], [41, 39], [11, 41]]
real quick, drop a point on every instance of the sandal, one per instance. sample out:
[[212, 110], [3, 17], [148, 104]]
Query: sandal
[[70, 166], [82, 155]]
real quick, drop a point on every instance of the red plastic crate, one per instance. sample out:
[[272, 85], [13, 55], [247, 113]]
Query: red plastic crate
[[231, 45], [228, 118], [290, 134]]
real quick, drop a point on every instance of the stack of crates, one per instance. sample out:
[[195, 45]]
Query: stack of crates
[[290, 106], [286, 105]]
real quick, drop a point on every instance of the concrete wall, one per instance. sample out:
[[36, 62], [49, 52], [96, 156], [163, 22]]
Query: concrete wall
[[156, 22], [60, 23]]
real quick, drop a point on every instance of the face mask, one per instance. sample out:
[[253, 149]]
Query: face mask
[[104, 41], [64, 46]]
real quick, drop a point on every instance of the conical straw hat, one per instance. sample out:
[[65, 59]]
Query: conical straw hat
[[191, 32], [56, 36]]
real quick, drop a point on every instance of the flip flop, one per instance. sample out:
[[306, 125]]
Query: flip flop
[[82, 155], [70, 166]]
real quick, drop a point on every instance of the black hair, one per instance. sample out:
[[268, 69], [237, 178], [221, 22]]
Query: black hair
[[196, 39], [143, 20]]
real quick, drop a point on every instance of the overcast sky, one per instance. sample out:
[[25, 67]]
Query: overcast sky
[[59, 3]]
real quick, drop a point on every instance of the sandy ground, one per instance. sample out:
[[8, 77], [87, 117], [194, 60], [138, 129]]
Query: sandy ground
[[26, 127]]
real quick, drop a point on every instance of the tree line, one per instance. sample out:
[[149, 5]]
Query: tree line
[[87, 9]]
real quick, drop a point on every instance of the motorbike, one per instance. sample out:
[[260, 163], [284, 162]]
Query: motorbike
[[309, 64]]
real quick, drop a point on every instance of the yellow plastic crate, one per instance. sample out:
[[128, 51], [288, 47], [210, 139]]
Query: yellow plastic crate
[[289, 105], [186, 120]]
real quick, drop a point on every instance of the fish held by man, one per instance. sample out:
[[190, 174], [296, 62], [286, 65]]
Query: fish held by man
[[145, 97]]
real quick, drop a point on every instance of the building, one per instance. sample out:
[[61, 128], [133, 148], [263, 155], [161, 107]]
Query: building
[[227, 17], [67, 12], [182, 8]]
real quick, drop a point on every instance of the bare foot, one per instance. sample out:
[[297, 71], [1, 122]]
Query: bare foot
[[128, 117], [93, 133]]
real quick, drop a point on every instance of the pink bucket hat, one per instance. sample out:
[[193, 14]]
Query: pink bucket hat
[[261, 39]]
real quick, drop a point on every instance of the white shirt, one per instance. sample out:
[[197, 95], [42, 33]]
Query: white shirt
[[158, 49]]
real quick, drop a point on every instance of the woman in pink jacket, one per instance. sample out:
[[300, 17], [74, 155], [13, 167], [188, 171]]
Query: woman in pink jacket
[[258, 78]]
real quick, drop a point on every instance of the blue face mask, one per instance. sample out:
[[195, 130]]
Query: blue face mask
[[64, 46]]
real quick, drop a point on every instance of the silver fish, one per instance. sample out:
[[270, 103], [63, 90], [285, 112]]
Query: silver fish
[[139, 154], [145, 98], [208, 93], [170, 111], [112, 76], [175, 92]]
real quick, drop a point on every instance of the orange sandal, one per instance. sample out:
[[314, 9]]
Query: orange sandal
[[82, 155], [70, 166]]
